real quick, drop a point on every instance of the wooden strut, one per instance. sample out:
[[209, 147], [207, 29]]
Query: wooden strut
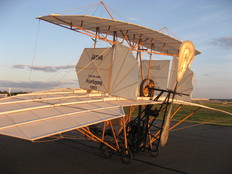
[[95, 41], [132, 108], [86, 131], [141, 64], [193, 112], [114, 135], [124, 132], [107, 33], [127, 118], [103, 130], [174, 113], [133, 40], [104, 5], [94, 137], [111, 64], [125, 37], [150, 61], [138, 44], [185, 118]]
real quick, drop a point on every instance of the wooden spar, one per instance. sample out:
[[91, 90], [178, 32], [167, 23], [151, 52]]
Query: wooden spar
[[149, 67], [111, 62], [104, 5], [141, 64], [95, 40]]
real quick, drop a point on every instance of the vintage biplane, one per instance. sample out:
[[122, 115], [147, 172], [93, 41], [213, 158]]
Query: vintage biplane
[[110, 79]]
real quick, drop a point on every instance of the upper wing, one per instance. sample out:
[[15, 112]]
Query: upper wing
[[88, 24], [37, 115]]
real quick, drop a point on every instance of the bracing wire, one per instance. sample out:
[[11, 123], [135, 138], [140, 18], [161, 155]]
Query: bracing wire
[[79, 8], [34, 52], [128, 19], [197, 86], [96, 9]]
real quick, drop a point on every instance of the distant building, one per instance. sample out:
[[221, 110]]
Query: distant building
[[200, 99], [3, 95]]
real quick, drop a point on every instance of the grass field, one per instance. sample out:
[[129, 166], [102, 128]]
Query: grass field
[[204, 116]]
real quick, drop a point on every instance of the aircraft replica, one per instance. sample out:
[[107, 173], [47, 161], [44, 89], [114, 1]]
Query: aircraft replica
[[110, 79]]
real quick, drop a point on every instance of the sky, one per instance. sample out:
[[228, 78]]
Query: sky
[[36, 55]]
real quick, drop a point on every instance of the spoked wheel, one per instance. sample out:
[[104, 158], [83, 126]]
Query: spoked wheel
[[106, 151], [145, 86], [126, 156], [143, 148], [154, 150]]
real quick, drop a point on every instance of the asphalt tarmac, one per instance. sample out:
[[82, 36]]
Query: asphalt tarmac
[[198, 149]]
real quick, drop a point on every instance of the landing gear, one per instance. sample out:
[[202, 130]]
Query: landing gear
[[140, 134], [154, 150], [126, 156]]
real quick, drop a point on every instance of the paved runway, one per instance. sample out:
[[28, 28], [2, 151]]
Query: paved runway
[[199, 149]]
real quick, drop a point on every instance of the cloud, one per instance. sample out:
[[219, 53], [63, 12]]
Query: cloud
[[34, 85], [223, 42], [44, 68], [19, 66]]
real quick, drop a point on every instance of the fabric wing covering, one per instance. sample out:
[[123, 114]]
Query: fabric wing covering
[[185, 85], [124, 79], [110, 70], [42, 114], [93, 69], [158, 72], [161, 42]]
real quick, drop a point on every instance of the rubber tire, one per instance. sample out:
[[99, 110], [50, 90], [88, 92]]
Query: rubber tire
[[126, 156], [155, 151]]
